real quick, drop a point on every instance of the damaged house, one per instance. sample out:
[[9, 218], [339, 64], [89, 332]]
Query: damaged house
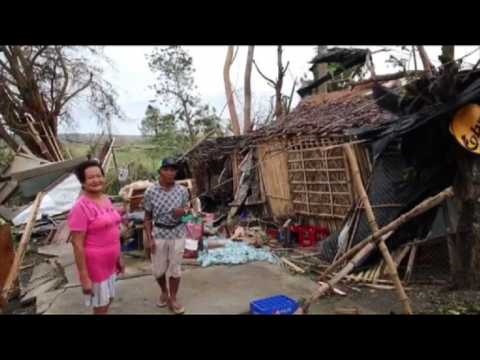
[[398, 128]]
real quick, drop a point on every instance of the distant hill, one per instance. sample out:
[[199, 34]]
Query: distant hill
[[89, 138]]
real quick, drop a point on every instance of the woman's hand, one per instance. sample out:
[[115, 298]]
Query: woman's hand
[[87, 286], [120, 267]]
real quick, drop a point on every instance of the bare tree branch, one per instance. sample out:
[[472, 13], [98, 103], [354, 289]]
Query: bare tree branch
[[38, 53], [286, 67], [264, 76], [76, 92], [63, 91]]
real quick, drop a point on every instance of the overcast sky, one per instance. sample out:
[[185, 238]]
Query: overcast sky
[[132, 77]]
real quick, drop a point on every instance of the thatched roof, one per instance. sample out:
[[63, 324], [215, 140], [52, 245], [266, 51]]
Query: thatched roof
[[331, 114]]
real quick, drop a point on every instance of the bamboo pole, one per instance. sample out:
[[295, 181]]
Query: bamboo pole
[[17, 261], [411, 260], [357, 181], [421, 208], [293, 266], [56, 143], [49, 140], [364, 252]]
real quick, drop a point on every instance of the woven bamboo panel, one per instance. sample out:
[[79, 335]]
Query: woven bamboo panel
[[272, 157], [319, 179]]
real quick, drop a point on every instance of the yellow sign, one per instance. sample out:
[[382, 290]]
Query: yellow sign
[[465, 127]]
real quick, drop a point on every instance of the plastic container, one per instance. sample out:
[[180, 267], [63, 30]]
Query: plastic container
[[275, 305], [307, 236], [131, 245], [294, 229], [273, 233], [191, 249]]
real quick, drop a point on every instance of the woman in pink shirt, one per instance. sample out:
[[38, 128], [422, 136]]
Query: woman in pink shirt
[[95, 227]]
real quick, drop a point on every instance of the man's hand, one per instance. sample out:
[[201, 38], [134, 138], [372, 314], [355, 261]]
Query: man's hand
[[179, 212], [153, 246]]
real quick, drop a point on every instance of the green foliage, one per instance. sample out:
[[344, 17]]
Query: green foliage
[[176, 90], [166, 138], [6, 157]]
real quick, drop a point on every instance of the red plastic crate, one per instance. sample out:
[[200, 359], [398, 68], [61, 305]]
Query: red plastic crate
[[306, 236], [321, 233]]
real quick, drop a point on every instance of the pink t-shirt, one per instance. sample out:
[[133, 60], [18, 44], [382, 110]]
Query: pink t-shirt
[[101, 224]]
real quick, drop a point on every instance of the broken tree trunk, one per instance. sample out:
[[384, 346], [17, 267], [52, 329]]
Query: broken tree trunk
[[247, 106], [357, 181], [421, 208], [229, 92], [427, 65], [22, 247]]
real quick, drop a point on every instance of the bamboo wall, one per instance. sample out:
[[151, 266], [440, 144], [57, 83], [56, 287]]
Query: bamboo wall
[[274, 175], [319, 180], [301, 177]]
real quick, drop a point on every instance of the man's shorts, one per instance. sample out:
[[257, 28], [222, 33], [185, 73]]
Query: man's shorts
[[168, 257]]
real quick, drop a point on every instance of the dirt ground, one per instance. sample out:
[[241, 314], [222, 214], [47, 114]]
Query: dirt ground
[[425, 299]]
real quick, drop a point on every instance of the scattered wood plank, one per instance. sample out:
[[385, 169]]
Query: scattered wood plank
[[22, 247], [380, 287], [359, 249], [335, 290], [293, 266], [45, 287], [62, 235]]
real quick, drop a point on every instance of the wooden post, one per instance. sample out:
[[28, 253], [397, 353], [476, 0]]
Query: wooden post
[[357, 180], [22, 247]]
